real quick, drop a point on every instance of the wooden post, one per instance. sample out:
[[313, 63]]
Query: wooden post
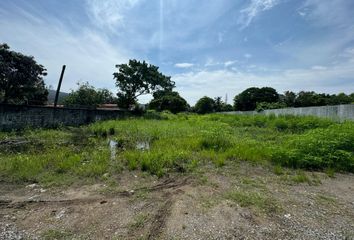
[[59, 85]]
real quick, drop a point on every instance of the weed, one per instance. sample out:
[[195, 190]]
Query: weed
[[177, 143], [54, 234], [254, 199], [278, 170], [301, 177], [138, 222], [330, 172], [256, 183], [324, 199]]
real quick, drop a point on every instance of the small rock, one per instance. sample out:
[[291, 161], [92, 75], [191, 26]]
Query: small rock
[[42, 190], [106, 175], [34, 198], [288, 216], [131, 191], [32, 185], [60, 214]]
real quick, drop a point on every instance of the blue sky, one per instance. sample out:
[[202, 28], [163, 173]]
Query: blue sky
[[209, 47]]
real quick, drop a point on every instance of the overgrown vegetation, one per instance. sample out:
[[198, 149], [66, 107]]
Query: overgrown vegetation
[[160, 143], [260, 99]]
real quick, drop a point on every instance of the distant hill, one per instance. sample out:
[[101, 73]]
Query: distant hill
[[51, 96]]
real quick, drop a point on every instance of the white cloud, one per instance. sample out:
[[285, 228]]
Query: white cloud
[[184, 65], [334, 79], [318, 67], [330, 13], [349, 51], [89, 56], [229, 63], [109, 13], [255, 8], [302, 14]]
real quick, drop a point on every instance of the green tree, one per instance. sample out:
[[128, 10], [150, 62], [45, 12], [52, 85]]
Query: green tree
[[248, 99], [307, 99], [289, 98], [264, 106], [205, 105], [221, 106], [227, 108], [342, 98], [87, 95], [21, 78], [218, 104], [137, 78], [168, 100], [352, 97]]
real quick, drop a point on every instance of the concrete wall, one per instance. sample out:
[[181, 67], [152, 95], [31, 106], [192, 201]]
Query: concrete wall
[[338, 112], [19, 116]]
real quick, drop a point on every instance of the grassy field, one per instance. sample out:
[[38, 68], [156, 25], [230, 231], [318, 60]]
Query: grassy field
[[160, 144]]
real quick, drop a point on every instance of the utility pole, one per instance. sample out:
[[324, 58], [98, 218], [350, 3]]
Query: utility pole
[[59, 85]]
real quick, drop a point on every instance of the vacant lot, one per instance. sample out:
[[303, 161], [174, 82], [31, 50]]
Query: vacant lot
[[180, 177]]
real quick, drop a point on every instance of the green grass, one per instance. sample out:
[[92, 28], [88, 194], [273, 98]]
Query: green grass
[[138, 222], [257, 200], [54, 234], [177, 143]]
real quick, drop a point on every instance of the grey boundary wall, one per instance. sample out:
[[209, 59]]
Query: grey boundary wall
[[337, 112], [13, 117]]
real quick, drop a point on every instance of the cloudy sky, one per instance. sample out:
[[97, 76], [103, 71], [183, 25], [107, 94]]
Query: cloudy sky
[[209, 47]]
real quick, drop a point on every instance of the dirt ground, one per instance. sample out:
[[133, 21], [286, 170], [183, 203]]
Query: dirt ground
[[237, 201]]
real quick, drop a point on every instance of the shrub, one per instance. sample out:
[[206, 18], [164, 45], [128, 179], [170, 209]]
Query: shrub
[[205, 105], [319, 149]]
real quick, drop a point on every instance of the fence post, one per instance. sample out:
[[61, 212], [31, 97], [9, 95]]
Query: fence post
[[59, 85]]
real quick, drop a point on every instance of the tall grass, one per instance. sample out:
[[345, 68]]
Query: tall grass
[[177, 143]]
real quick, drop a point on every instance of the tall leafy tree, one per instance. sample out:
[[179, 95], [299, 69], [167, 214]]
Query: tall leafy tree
[[307, 99], [221, 106], [205, 105], [289, 98], [168, 100], [87, 95], [248, 99], [218, 104], [138, 78], [21, 78]]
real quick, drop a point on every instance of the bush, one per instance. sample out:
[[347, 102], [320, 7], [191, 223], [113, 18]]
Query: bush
[[320, 149], [171, 102], [204, 105], [261, 106]]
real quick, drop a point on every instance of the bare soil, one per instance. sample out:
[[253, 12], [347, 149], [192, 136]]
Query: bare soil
[[184, 206]]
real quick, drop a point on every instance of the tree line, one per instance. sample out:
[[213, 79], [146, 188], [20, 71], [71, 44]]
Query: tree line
[[267, 98], [21, 82]]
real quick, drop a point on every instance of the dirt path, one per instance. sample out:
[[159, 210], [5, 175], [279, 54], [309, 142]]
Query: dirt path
[[238, 202]]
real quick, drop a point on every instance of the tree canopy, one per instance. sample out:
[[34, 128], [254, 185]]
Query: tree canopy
[[168, 100], [205, 105], [221, 106], [268, 98], [87, 95], [21, 78], [138, 78], [248, 99]]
